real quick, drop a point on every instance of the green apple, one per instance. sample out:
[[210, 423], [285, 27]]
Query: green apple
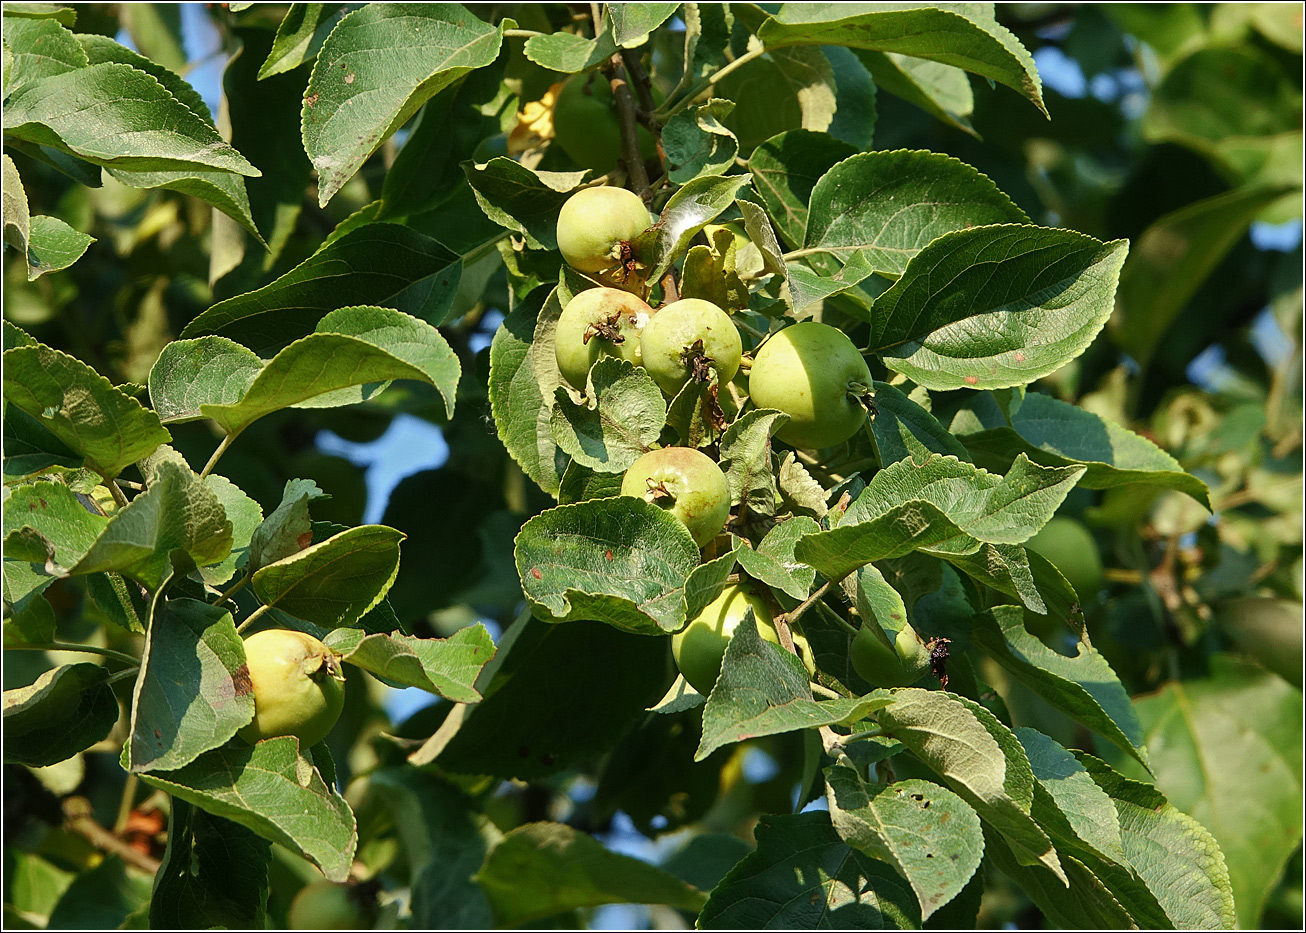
[[685, 481], [882, 666], [299, 687], [595, 227], [814, 374], [585, 125], [700, 646], [684, 338], [598, 322], [322, 905], [1072, 550]]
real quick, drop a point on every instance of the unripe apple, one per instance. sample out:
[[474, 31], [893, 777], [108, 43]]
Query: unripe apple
[[598, 322], [595, 227], [878, 664], [814, 374], [685, 481], [1072, 549], [322, 905], [685, 339], [585, 125], [700, 646], [299, 687]]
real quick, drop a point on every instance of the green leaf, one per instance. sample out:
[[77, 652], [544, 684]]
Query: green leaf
[[786, 168], [299, 36], [570, 53], [114, 115], [1085, 814], [697, 142], [903, 528], [30, 621], [632, 23], [694, 205], [447, 667], [967, 36], [979, 758], [623, 562], [625, 421], [903, 429], [804, 877], [996, 306], [1174, 854], [523, 375], [774, 563], [926, 832], [762, 236], [1054, 433], [1266, 629], [855, 109], [41, 48], [1007, 569], [53, 245], [373, 72], [176, 512], [339, 364], [943, 91], [97, 421], [579, 483], [1083, 687], [67, 710], [193, 692], [885, 207], [376, 264], [17, 216], [29, 448], [102, 898], [63, 522], [1194, 730], [521, 199], [66, 15], [99, 50], [214, 873], [288, 529], [542, 869], [335, 583], [764, 690], [746, 460], [244, 514], [275, 792]]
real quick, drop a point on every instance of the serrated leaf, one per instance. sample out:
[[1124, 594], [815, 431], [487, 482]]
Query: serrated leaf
[[67, 710], [447, 667], [746, 460], [570, 53], [1007, 569], [522, 199], [898, 531], [288, 529], [214, 873], [979, 758], [114, 115], [66, 15], [802, 876], [762, 235], [625, 421], [64, 525], [694, 205], [97, 421], [542, 869], [940, 90], [300, 35], [244, 514], [632, 23], [99, 50], [774, 563], [706, 581], [176, 512], [1083, 687], [41, 47], [786, 168], [373, 72], [352, 350], [996, 306], [17, 216], [334, 583], [375, 264], [275, 792], [764, 690], [1174, 854], [193, 692], [697, 142], [904, 429], [624, 562], [926, 832], [1054, 433], [885, 207], [966, 36], [53, 245]]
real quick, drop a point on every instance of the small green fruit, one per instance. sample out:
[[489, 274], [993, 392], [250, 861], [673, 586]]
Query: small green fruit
[[593, 225], [598, 322], [1072, 550], [685, 481], [878, 664], [322, 905], [585, 125], [689, 334], [299, 687], [814, 374]]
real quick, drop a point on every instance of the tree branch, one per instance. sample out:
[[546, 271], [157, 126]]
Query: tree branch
[[626, 122]]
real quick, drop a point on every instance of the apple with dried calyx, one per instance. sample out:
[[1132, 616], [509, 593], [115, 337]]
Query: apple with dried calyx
[[686, 482], [298, 684], [598, 322], [686, 340]]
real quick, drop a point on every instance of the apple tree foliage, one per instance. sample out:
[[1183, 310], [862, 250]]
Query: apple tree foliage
[[1067, 324]]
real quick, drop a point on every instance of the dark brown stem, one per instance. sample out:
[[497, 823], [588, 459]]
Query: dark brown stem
[[627, 123], [643, 89], [77, 812]]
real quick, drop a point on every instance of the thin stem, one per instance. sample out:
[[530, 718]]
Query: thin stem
[[128, 484], [217, 454], [807, 251], [239, 585], [521, 33], [124, 674], [626, 123], [832, 742], [807, 603], [485, 247], [119, 497], [845, 624], [69, 646], [861, 736], [252, 616], [824, 691], [126, 802], [77, 812], [643, 87], [692, 95]]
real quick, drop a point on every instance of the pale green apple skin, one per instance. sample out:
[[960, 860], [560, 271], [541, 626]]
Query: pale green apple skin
[[676, 328], [700, 646], [592, 225], [882, 666], [699, 493], [593, 306], [322, 905], [298, 685], [812, 373]]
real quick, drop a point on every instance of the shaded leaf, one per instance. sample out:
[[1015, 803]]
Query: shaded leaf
[[67, 710], [300, 35], [447, 667], [694, 205], [625, 422], [288, 530], [904, 429], [786, 168], [522, 199], [774, 563]]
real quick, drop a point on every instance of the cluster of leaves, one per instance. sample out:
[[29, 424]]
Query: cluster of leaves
[[1020, 751]]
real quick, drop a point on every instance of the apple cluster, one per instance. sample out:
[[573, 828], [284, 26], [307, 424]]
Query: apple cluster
[[810, 371]]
